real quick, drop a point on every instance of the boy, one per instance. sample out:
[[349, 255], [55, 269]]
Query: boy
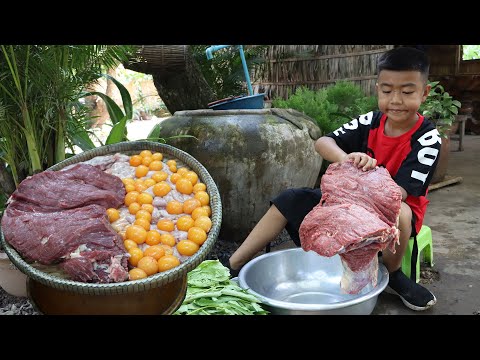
[[396, 137]]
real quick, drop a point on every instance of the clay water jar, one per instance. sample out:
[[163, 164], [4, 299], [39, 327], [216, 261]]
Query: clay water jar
[[252, 155]]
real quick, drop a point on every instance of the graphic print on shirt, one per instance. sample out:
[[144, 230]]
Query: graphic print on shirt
[[410, 158]]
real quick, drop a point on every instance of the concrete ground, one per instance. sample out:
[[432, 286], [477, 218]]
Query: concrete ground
[[454, 216]]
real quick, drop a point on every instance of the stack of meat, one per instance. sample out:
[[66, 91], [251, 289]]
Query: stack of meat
[[59, 217], [357, 217]]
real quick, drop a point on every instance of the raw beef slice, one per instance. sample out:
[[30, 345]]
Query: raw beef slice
[[356, 218], [59, 217]]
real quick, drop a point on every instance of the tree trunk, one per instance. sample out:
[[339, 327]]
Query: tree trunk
[[180, 84]]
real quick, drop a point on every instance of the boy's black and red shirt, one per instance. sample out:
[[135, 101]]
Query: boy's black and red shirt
[[410, 158]]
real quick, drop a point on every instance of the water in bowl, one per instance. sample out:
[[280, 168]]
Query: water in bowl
[[311, 290], [313, 297]]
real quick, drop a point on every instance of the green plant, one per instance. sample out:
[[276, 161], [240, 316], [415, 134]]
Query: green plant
[[350, 99], [331, 106], [471, 52], [119, 118], [314, 104], [224, 73], [440, 108], [40, 87]]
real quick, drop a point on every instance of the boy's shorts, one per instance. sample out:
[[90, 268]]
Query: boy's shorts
[[295, 204]]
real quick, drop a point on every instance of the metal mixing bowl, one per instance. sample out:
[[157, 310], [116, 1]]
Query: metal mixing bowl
[[296, 282]]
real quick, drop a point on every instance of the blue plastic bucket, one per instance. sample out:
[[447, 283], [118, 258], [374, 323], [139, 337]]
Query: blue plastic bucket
[[246, 102]]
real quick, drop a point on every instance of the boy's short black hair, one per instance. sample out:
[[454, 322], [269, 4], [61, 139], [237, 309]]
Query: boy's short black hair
[[404, 59]]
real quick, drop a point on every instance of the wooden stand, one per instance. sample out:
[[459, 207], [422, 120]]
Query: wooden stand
[[448, 180], [461, 119], [163, 300]]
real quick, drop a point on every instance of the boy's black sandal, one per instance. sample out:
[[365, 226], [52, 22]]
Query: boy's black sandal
[[413, 295]]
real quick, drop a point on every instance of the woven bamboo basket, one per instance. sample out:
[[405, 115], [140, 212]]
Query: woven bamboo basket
[[176, 275], [161, 58], [170, 57]]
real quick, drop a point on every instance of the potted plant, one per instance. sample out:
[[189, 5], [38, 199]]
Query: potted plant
[[441, 109]]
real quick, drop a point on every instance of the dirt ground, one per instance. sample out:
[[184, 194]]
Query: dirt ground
[[454, 216]]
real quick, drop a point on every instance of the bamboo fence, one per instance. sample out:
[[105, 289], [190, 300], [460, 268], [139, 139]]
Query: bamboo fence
[[287, 67]]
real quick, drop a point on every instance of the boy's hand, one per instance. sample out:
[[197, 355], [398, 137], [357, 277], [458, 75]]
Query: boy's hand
[[361, 160]]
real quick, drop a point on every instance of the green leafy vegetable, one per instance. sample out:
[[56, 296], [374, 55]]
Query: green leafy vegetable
[[211, 292], [208, 273]]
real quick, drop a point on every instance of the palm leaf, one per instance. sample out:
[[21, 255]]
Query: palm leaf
[[116, 114], [117, 134], [82, 140], [126, 98]]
